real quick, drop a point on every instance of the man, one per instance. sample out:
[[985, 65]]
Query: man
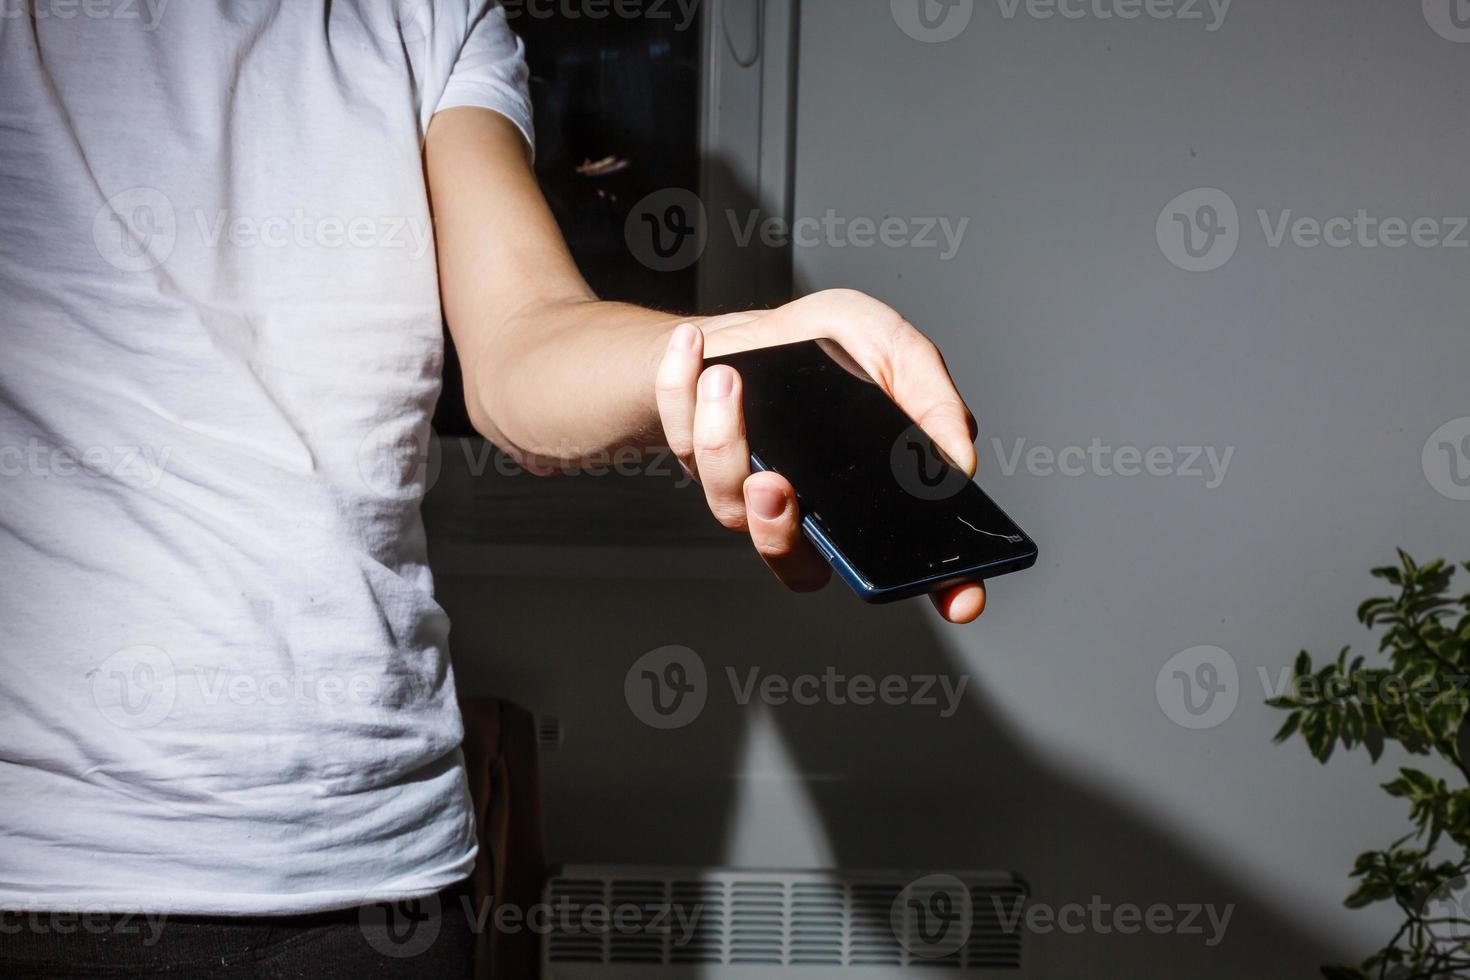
[[227, 696]]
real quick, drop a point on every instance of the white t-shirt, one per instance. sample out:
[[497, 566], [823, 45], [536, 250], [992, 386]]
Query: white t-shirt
[[224, 685]]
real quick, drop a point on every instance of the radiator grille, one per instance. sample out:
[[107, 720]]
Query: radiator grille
[[771, 919]]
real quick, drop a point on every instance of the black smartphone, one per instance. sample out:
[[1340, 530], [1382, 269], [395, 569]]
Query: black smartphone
[[878, 499]]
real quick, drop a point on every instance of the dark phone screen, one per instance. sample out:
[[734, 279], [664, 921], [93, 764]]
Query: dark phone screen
[[863, 470]]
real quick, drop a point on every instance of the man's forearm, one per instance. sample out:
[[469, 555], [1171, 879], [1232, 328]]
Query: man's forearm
[[551, 374], [572, 379]]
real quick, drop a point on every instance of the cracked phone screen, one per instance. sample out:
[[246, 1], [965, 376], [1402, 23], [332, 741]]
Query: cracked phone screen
[[878, 488]]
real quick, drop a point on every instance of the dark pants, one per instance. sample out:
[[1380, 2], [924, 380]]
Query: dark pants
[[433, 939]]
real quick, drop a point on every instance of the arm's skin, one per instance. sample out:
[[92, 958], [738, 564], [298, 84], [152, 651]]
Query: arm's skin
[[553, 375]]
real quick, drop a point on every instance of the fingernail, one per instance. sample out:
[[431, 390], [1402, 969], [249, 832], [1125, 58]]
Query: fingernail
[[683, 338], [767, 504], [717, 382]]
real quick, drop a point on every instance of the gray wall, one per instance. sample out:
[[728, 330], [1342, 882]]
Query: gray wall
[[1325, 369]]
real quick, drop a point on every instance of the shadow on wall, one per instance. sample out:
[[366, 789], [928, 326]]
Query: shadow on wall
[[942, 787], [933, 788], [888, 785]]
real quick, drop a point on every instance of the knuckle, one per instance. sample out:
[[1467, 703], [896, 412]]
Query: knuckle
[[671, 382], [923, 344], [776, 549], [911, 343], [731, 516], [717, 447]]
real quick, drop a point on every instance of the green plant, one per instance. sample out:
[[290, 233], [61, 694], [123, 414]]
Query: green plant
[[1419, 701]]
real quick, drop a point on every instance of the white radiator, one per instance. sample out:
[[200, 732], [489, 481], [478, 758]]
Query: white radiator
[[649, 923]]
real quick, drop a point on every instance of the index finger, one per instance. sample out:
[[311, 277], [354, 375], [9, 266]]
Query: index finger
[[922, 387]]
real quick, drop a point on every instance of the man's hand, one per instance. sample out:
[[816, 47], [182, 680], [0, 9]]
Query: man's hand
[[704, 424], [552, 374]]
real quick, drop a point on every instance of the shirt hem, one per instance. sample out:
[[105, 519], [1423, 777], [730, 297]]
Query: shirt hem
[[183, 902]]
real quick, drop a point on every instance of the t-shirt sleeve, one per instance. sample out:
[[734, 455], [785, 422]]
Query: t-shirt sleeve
[[490, 71]]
